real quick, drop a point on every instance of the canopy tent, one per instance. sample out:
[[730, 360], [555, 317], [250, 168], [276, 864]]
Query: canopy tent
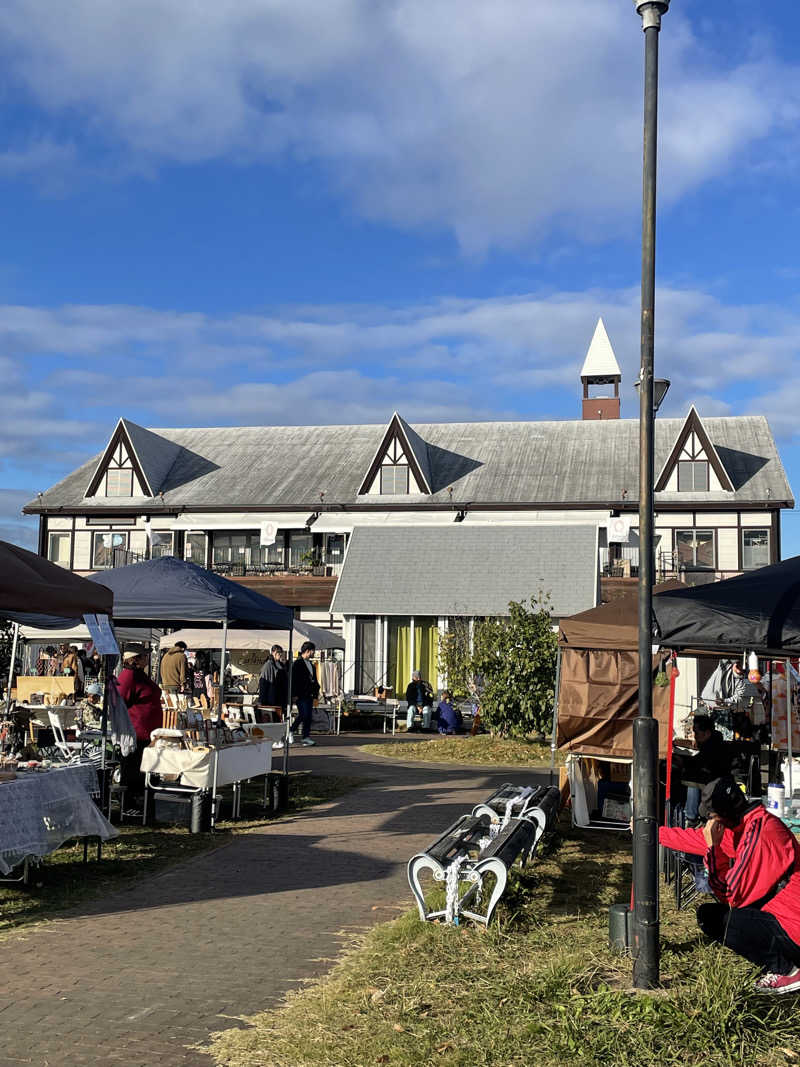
[[254, 639], [29, 583], [598, 693], [758, 611], [172, 592]]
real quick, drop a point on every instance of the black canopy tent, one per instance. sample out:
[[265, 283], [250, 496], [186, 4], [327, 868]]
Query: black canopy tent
[[759, 611], [756, 612], [29, 582]]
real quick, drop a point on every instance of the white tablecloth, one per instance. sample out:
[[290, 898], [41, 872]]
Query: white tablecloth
[[41, 810], [235, 763]]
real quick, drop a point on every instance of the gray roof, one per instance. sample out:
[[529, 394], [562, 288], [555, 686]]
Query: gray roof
[[461, 570], [512, 463], [156, 454]]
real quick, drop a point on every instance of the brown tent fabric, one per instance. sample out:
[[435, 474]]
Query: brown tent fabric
[[598, 699], [612, 625], [31, 584], [598, 696]]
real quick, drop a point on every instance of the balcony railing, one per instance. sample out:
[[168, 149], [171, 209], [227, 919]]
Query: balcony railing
[[624, 563]]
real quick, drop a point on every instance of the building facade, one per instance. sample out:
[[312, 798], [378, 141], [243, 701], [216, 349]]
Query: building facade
[[391, 532]]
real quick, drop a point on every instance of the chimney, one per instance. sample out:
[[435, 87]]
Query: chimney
[[601, 376]]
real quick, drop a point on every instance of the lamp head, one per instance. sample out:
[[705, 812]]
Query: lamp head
[[660, 390]]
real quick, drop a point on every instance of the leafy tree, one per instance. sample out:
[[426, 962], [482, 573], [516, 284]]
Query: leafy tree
[[514, 665], [455, 657]]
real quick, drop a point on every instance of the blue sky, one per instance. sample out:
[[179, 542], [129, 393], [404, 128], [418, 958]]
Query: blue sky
[[260, 212]]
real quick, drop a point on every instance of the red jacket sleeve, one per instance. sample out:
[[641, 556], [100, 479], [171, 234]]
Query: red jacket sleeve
[[764, 854], [691, 841]]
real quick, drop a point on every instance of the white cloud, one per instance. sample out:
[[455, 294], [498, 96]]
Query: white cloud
[[497, 121], [14, 527]]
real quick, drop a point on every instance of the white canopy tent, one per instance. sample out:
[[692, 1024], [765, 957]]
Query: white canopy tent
[[254, 639]]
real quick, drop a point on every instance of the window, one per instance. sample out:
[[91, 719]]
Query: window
[[695, 548], [160, 544], [58, 551], [195, 548], [119, 481], [334, 548], [301, 549], [394, 480], [755, 549], [107, 549], [693, 476], [245, 549]]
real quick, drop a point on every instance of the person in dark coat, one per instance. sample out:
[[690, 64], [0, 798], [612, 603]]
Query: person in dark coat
[[419, 698], [712, 761], [273, 682], [449, 717], [305, 690]]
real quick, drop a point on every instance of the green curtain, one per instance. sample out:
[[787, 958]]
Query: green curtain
[[399, 666], [426, 648]]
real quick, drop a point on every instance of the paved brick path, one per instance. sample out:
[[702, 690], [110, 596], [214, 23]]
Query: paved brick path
[[136, 978]]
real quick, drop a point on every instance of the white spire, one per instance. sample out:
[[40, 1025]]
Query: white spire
[[600, 359]]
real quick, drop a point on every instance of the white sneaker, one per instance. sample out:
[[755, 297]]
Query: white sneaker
[[291, 738], [307, 741]]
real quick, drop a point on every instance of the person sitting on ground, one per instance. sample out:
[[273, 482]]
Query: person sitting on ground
[[753, 864], [712, 761], [175, 668], [419, 697], [449, 717]]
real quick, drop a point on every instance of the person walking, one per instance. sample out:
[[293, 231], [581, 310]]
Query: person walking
[[305, 690], [143, 698]]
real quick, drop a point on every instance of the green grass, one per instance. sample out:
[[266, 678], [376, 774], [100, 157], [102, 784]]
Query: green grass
[[481, 749], [63, 881], [539, 988]]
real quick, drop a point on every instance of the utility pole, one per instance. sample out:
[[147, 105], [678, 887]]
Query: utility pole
[[646, 948]]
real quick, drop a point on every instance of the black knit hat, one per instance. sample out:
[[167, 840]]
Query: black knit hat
[[722, 796]]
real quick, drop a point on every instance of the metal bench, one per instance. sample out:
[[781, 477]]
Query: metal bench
[[481, 843]]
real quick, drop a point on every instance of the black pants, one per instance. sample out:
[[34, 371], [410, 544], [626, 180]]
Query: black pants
[[305, 715], [130, 774], [754, 934]]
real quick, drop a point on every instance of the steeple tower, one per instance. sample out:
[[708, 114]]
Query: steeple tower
[[599, 371]]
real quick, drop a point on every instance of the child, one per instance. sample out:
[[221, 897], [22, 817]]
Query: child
[[450, 720]]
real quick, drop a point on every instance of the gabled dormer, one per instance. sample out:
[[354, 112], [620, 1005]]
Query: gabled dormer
[[135, 463], [400, 465], [693, 465]]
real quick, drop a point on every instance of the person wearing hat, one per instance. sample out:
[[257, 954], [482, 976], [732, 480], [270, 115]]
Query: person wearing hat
[[753, 864], [175, 668], [143, 698]]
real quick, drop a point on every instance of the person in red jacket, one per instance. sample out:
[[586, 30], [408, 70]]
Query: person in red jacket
[[753, 864], [143, 698]]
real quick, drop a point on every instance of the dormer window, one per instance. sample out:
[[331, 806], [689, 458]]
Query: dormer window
[[394, 479], [119, 482], [119, 473], [693, 476]]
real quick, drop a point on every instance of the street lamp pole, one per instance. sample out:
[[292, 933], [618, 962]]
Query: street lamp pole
[[645, 728]]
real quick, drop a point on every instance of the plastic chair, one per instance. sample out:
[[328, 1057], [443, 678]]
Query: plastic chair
[[68, 750]]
